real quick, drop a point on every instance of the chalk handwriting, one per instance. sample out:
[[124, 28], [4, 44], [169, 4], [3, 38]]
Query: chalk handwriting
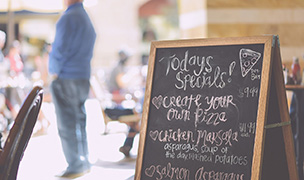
[[167, 172], [248, 92], [209, 118], [195, 157], [170, 155], [220, 101], [202, 174], [214, 103], [176, 101], [207, 149], [207, 138], [190, 103], [181, 147], [255, 74], [209, 110], [247, 129], [231, 159], [202, 75]]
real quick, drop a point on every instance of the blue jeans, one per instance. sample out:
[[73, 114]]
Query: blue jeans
[[69, 96]]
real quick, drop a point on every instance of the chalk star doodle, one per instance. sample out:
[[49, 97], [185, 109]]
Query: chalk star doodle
[[150, 171], [156, 101], [248, 59]]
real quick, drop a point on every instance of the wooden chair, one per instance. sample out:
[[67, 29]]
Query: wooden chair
[[105, 98], [20, 134]]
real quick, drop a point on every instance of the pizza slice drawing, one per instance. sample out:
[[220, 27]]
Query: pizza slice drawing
[[248, 59]]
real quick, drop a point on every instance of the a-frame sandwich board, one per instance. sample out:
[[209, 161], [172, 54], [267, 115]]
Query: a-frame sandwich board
[[278, 154], [265, 153]]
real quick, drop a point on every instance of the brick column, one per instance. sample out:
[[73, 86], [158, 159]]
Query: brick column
[[193, 18]]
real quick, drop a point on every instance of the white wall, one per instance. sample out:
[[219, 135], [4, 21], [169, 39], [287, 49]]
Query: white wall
[[116, 24]]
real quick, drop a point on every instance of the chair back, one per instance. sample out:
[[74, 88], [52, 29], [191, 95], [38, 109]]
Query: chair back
[[20, 134]]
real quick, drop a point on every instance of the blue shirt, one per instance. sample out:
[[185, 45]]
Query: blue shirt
[[72, 49]]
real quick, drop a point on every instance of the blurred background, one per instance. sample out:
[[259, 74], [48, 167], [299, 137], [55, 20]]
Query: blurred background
[[128, 25], [122, 23]]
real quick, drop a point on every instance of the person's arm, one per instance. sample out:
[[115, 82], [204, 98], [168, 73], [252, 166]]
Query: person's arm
[[60, 48]]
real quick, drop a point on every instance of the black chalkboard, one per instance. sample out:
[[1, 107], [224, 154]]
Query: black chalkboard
[[205, 102]]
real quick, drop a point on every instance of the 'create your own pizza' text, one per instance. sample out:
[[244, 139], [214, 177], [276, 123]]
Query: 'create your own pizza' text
[[203, 75]]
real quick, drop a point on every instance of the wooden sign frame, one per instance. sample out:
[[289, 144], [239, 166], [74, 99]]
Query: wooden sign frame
[[272, 82]]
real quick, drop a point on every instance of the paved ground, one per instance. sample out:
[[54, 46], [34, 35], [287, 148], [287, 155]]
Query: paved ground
[[43, 158]]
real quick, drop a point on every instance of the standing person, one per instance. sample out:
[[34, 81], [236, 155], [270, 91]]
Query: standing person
[[2, 43], [4, 63], [16, 63], [70, 68]]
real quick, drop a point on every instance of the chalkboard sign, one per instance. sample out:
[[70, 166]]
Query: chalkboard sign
[[205, 109]]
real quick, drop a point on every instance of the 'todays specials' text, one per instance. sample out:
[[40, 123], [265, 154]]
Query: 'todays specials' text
[[203, 76]]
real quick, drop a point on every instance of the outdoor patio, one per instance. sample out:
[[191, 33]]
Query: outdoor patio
[[43, 158]]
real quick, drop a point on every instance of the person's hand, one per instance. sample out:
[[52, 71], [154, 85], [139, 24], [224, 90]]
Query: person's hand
[[54, 77]]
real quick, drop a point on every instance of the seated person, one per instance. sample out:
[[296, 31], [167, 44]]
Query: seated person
[[117, 86]]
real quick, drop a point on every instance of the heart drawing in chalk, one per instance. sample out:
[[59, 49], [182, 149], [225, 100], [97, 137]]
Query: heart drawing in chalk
[[154, 134], [150, 171], [157, 101]]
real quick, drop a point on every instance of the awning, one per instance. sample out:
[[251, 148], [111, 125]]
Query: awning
[[45, 6], [153, 7]]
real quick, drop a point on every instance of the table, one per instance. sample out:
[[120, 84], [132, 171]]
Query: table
[[297, 122]]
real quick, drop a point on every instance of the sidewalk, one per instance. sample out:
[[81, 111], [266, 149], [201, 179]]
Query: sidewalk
[[43, 158]]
